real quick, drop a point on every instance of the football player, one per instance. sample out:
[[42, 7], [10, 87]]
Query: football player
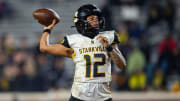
[[91, 50]]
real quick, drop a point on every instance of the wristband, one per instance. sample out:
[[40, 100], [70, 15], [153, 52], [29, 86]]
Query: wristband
[[109, 49], [47, 30]]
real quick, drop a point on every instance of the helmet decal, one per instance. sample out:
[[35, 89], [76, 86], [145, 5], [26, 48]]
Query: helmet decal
[[75, 19]]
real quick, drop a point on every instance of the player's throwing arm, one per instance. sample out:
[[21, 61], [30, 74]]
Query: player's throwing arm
[[49, 18]]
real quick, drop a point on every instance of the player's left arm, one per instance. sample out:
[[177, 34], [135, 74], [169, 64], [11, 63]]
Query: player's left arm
[[113, 51], [117, 57]]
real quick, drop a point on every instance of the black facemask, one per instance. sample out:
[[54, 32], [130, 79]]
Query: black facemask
[[93, 31]]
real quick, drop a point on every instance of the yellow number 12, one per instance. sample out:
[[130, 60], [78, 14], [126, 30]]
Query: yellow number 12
[[95, 65]]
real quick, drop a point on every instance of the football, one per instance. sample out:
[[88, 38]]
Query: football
[[45, 16]]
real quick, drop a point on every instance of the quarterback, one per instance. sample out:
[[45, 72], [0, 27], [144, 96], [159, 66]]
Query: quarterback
[[91, 50]]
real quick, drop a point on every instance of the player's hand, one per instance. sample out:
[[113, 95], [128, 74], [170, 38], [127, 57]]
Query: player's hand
[[103, 40], [51, 26]]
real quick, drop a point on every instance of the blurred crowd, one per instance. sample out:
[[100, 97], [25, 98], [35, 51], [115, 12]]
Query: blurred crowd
[[151, 64], [24, 68]]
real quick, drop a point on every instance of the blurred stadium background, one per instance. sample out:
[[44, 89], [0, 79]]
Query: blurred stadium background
[[148, 31]]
